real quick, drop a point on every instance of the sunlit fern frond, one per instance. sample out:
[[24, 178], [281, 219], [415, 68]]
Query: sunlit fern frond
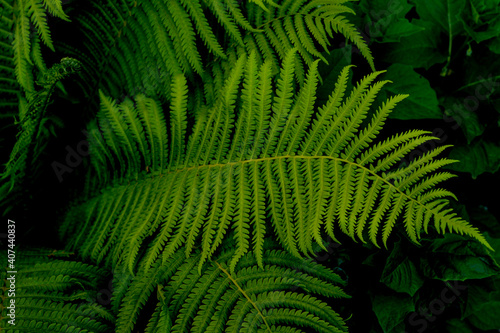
[[258, 154]]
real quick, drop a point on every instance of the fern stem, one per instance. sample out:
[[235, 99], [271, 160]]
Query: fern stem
[[264, 159], [494, 78], [244, 294], [450, 41]]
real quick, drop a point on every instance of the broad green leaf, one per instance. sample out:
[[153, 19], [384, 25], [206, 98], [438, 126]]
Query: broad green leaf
[[496, 245], [482, 6], [482, 23], [477, 158], [487, 316], [446, 14], [391, 311], [418, 50], [483, 301], [459, 114], [386, 22], [456, 258], [458, 326], [401, 28], [400, 273], [481, 82], [494, 45], [486, 221], [483, 32], [483, 305], [422, 102]]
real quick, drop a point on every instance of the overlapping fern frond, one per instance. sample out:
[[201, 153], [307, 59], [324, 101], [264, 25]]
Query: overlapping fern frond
[[257, 159], [302, 25], [23, 31], [52, 295], [254, 299], [30, 140], [21, 48], [9, 86], [141, 45]]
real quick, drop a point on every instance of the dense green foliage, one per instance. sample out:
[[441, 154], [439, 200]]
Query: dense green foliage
[[229, 142]]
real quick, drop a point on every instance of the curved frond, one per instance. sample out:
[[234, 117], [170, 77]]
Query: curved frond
[[308, 175], [29, 141]]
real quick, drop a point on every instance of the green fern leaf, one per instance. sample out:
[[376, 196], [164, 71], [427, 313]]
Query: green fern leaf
[[219, 301], [29, 140], [39, 18], [309, 175], [55, 8], [162, 39], [52, 295], [22, 68]]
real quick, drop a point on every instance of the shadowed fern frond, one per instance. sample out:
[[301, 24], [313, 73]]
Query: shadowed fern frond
[[52, 295], [140, 46], [255, 156], [21, 48], [23, 30], [267, 299], [30, 140], [302, 25], [9, 86]]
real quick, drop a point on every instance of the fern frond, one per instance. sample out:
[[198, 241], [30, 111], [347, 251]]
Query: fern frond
[[39, 19], [22, 68], [10, 54], [165, 39], [178, 119], [29, 141], [282, 102], [219, 301], [349, 30], [329, 174], [36, 54], [20, 49], [302, 24], [262, 5], [161, 320], [55, 8], [55, 295], [196, 11]]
